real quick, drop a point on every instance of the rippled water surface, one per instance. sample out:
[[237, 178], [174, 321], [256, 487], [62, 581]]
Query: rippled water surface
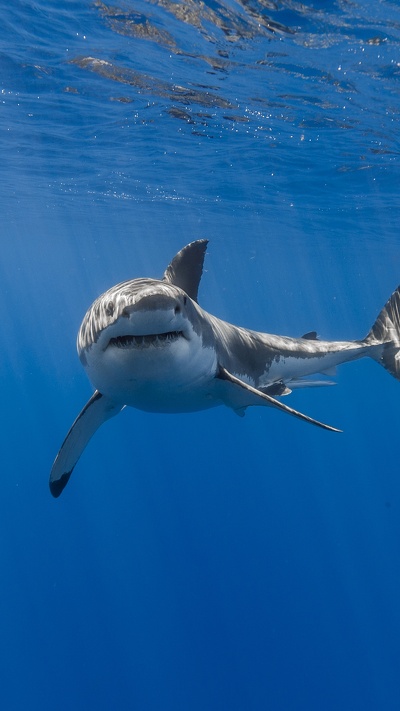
[[200, 561]]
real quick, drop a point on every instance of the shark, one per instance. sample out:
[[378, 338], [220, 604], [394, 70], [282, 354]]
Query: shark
[[146, 343]]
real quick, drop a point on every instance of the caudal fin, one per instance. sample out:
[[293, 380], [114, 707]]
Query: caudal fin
[[386, 332]]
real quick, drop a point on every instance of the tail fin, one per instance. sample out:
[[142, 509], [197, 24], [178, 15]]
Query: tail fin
[[386, 331]]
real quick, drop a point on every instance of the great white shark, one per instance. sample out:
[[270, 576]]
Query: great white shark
[[148, 344]]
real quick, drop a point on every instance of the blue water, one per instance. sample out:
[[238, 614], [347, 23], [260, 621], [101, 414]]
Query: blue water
[[200, 562]]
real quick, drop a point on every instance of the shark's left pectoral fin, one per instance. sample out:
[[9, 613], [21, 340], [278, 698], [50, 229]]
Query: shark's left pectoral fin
[[96, 411], [242, 395]]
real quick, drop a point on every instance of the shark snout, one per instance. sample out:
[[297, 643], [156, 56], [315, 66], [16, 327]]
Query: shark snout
[[154, 302], [151, 314]]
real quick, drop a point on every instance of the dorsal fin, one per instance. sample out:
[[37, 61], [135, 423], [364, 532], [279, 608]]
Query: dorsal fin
[[311, 336], [186, 268]]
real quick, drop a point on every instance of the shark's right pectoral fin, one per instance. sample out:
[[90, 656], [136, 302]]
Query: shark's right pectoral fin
[[96, 411], [240, 395]]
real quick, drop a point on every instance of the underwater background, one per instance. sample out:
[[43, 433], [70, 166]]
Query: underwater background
[[200, 562]]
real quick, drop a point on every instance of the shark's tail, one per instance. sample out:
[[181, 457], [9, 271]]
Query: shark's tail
[[386, 333]]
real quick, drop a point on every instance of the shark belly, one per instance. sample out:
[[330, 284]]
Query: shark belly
[[150, 397], [176, 377]]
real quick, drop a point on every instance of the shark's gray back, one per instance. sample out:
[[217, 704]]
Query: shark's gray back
[[253, 354]]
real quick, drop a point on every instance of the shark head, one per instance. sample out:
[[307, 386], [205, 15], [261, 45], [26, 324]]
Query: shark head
[[144, 339]]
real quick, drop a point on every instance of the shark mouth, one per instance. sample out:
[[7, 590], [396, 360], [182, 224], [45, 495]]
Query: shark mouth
[[156, 340]]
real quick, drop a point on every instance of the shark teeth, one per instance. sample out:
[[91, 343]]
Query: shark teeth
[[156, 340]]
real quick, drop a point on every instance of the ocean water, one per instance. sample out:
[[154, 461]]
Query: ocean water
[[200, 562]]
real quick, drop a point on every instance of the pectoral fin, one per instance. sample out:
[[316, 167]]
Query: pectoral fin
[[247, 395], [96, 411]]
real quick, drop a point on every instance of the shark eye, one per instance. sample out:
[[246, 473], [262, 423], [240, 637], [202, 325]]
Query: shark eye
[[185, 300], [110, 308], [177, 310]]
